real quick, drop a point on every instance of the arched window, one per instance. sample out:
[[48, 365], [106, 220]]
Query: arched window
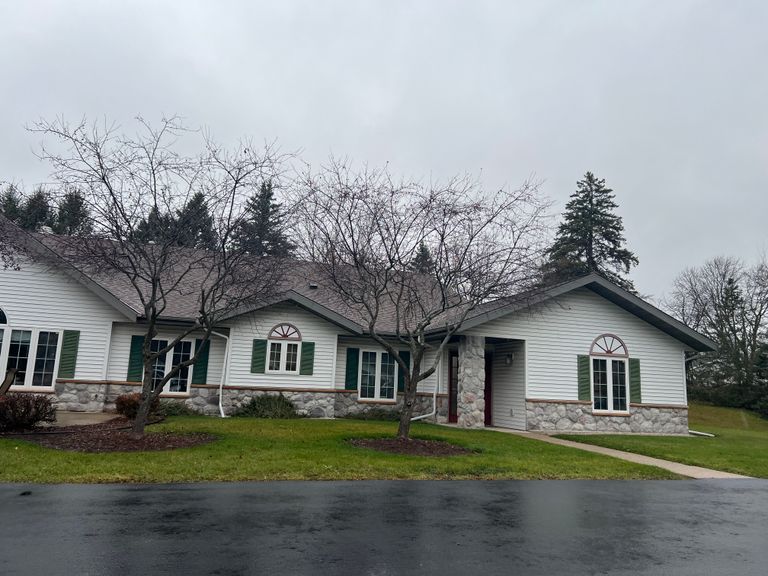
[[608, 360], [3, 319], [284, 348], [285, 332], [608, 345]]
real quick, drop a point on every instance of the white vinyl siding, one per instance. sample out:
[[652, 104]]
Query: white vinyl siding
[[564, 328], [258, 325], [40, 297], [120, 350], [508, 392]]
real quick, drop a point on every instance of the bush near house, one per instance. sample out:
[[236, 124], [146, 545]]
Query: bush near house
[[25, 411], [267, 406], [128, 405]]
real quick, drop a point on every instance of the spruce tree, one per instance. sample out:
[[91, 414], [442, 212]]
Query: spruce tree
[[72, 217], [11, 204], [590, 238], [156, 227], [36, 211], [422, 262], [262, 232], [195, 224]]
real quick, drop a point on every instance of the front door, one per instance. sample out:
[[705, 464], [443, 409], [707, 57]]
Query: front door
[[453, 386], [488, 393]]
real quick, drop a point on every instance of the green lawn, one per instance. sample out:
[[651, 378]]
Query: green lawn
[[740, 444], [251, 449]]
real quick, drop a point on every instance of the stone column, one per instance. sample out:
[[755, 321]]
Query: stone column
[[471, 401]]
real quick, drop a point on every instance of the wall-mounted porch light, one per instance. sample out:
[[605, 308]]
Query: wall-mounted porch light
[[509, 358]]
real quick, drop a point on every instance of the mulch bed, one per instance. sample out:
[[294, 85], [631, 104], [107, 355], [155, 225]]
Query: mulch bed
[[111, 436], [410, 447]]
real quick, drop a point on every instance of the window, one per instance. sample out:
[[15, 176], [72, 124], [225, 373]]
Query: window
[[33, 353], [378, 376], [284, 343], [182, 351], [45, 358], [609, 373]]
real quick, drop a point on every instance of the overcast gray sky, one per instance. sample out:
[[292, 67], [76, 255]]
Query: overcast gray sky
[[666, 100]]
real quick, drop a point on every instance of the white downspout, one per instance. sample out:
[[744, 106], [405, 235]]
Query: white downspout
[[434, 395], [224, 370]]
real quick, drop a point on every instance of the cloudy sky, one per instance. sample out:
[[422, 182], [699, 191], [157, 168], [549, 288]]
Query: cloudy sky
[[668, 101]]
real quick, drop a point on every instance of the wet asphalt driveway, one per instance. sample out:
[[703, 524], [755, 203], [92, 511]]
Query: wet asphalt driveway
[[379, 528]]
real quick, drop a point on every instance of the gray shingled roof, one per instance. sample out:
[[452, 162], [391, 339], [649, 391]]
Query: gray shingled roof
[[305, 284]]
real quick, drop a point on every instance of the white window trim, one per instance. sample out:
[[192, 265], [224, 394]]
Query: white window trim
[[377, 379], [27, 386], [169, 367], [283, 356], [609, 369]]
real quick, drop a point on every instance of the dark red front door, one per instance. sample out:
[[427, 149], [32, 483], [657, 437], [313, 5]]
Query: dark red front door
[[488, 393], [453, 385]]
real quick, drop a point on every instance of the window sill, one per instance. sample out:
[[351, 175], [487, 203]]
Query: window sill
[[375, 401], [609, 413], [40, 390], [174, 394]]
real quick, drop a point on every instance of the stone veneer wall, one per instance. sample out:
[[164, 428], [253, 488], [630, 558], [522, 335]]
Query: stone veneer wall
[[470, 405], [99, 397], [578, 417]]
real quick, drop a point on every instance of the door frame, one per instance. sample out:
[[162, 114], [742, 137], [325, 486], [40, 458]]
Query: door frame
[[488, 388], [453, 387]]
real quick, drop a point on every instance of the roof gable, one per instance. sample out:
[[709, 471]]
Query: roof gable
[[618, 296]]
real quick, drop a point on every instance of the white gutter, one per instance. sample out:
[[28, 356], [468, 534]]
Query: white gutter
[[223, 372]]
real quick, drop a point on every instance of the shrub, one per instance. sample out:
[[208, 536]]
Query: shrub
[[175, 408], [128, 405], [25, 411], [268, 406]]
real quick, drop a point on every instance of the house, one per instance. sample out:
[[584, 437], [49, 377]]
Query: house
[[581, 356]]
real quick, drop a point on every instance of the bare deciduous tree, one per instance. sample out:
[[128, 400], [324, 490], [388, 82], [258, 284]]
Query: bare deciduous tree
[[134, 186], [728, 302], [364, 230]]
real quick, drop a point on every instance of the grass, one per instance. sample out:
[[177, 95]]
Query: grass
[[307, 449], [740, 444]]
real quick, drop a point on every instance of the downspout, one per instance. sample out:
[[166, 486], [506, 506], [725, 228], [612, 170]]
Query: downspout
[[223, 372], [434, 396]]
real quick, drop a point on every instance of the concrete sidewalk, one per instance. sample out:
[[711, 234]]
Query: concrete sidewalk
[[683, 469]]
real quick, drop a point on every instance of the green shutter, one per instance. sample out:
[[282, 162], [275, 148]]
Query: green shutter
[[68, 359], [353, 359], [136, 360], [585, 391], [258, 356], [635, 393], [307, 358], [200, 368], [406, 356]]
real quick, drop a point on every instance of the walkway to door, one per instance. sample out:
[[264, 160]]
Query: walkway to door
[[682, 469]]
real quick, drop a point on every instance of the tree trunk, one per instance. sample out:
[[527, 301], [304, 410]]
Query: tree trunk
[[142, 415], [404, 429], [10, 376]]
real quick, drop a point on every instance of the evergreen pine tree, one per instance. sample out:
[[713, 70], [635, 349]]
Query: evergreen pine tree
[[423, 263], [36, 211], [262, 233], [11, 204], [195, 224], [72, 217], [590, 238], [156, 227]]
